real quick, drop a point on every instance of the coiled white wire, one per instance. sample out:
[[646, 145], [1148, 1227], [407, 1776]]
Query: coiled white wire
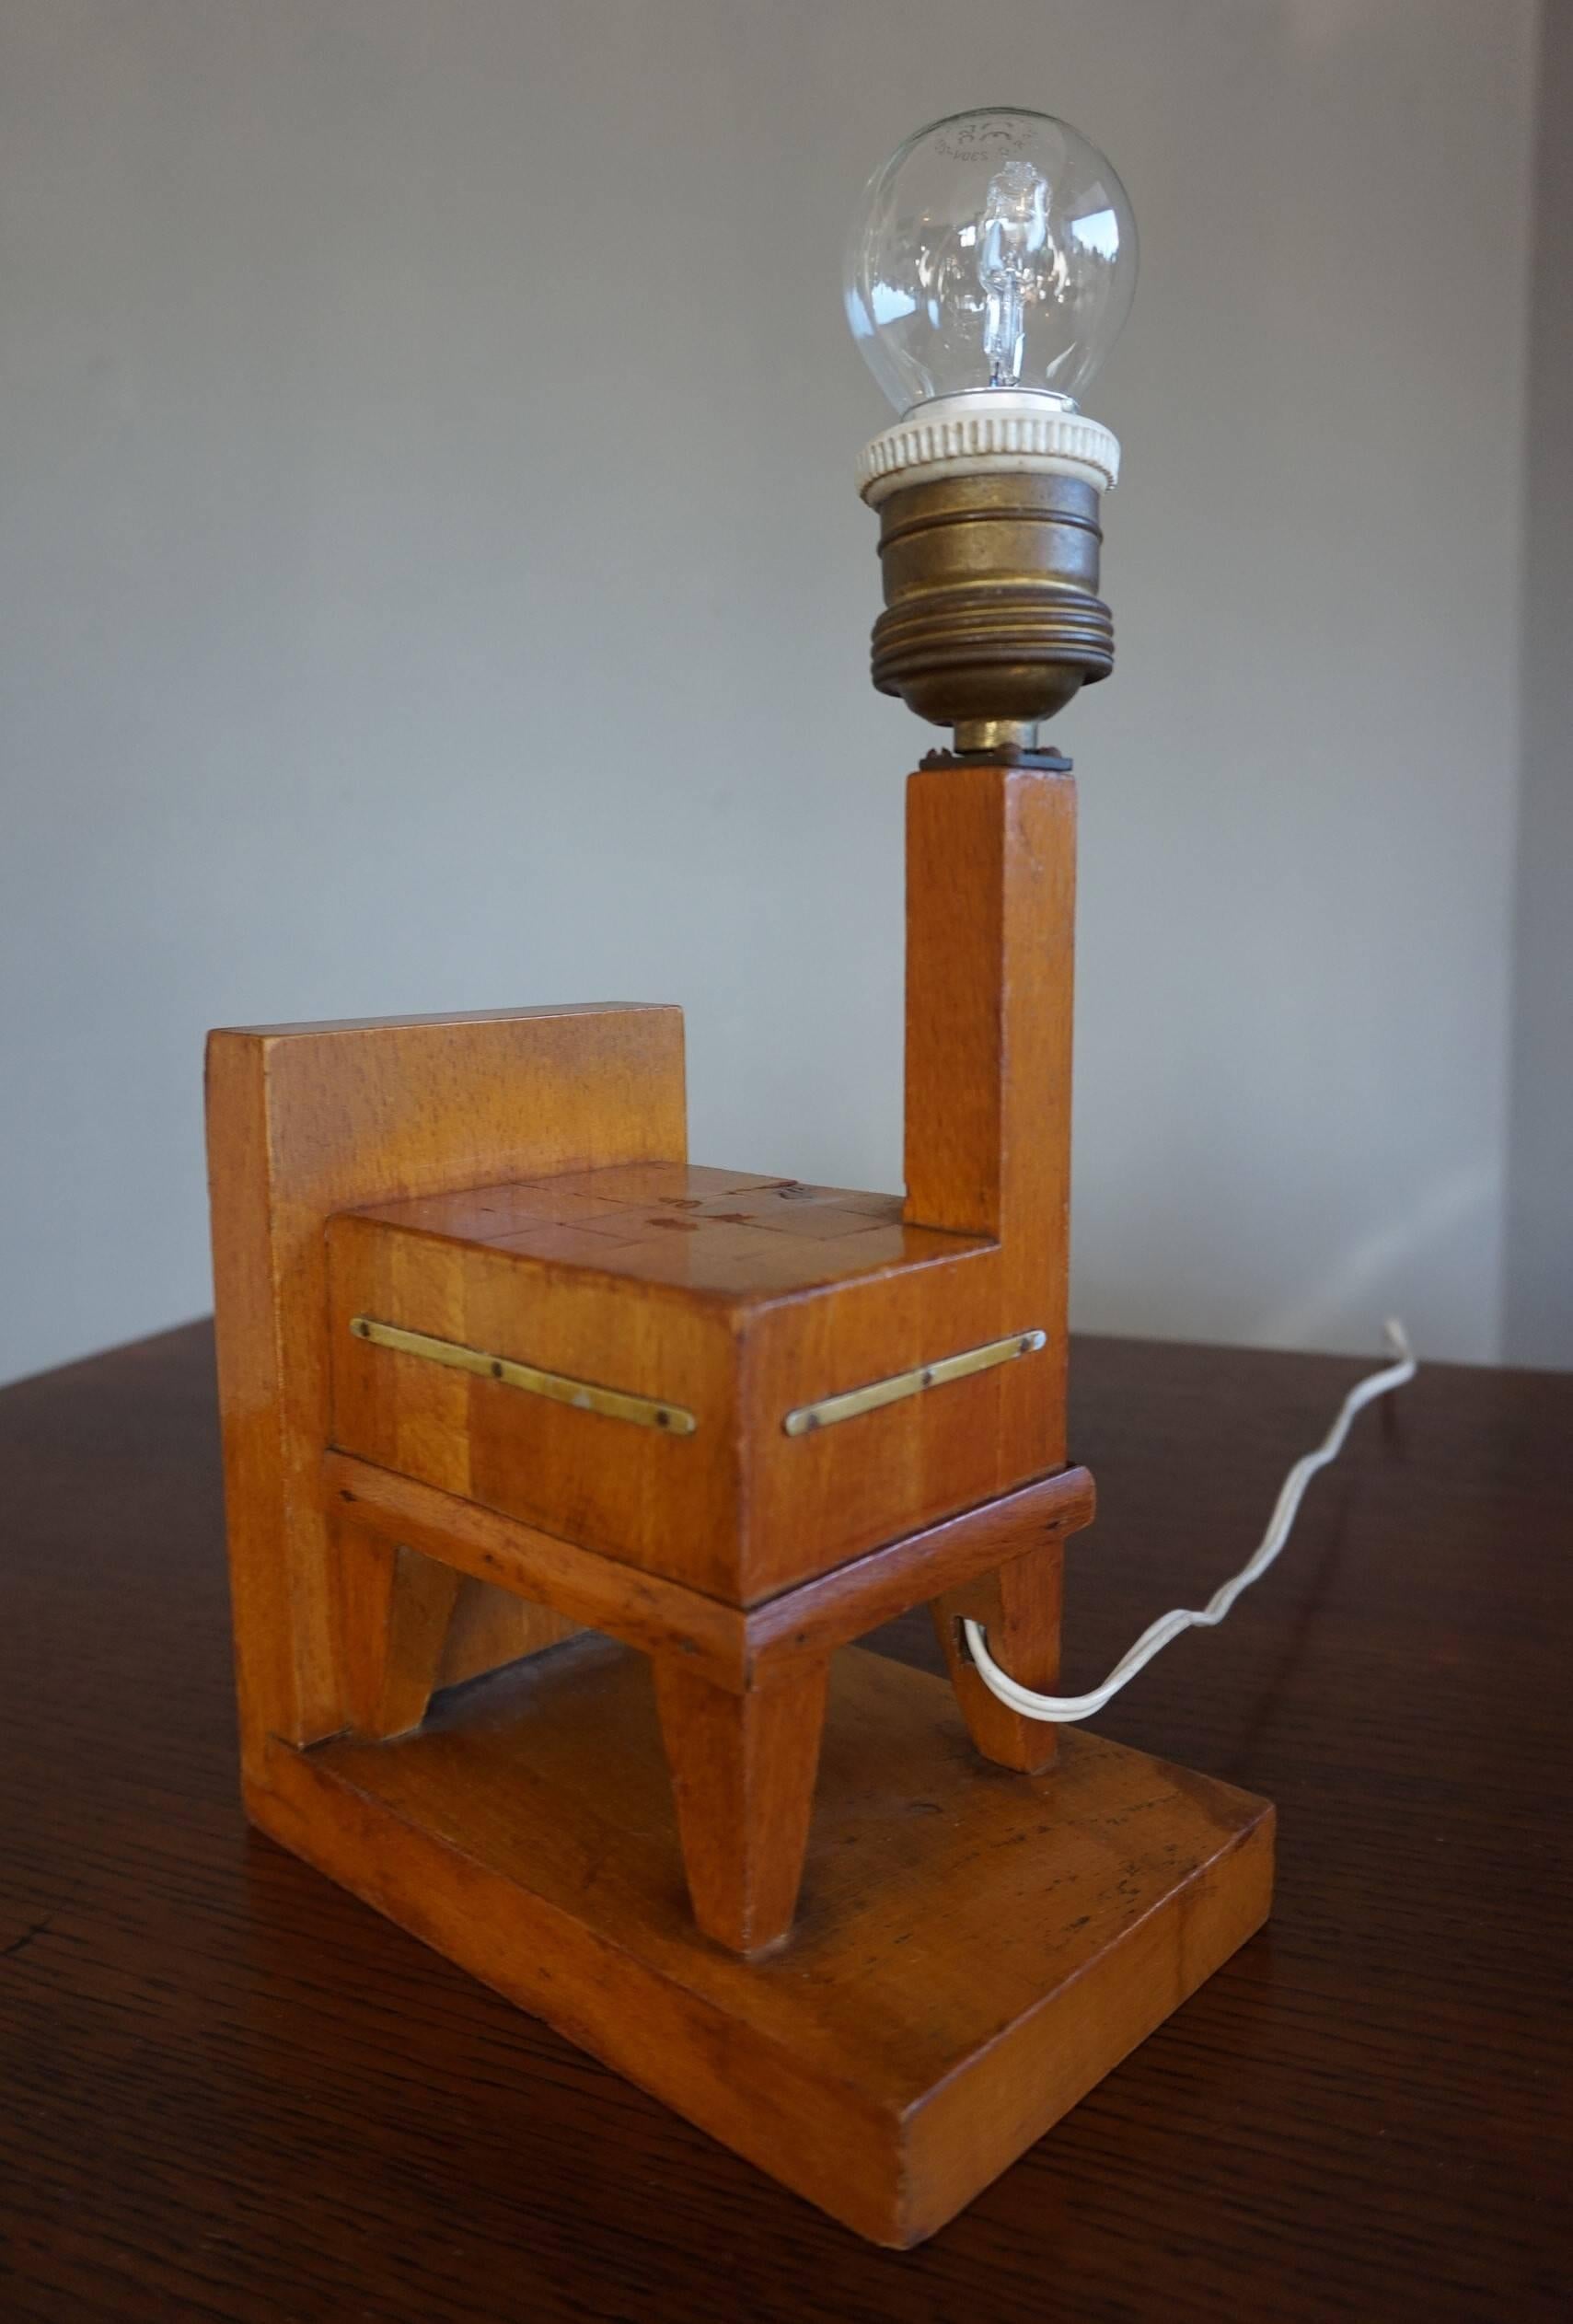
[[1157, 1634]]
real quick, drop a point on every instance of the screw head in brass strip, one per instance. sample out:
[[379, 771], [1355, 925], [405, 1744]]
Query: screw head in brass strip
[[807, 1418], [579, 1395]]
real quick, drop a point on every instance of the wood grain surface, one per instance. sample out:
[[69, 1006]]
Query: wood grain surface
[[990, 977], [738, 1299], [305, 1119], [728, 1645], [742, 1771], [232, 2092], [969, 1957]]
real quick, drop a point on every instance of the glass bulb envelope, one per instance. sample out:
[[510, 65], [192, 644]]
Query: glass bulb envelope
[[994, 251]]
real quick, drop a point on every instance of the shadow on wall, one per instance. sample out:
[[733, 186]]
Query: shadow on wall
[[1391, 1252]]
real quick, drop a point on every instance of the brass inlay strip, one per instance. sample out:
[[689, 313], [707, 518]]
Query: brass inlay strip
[[830, 1409], [582, 1396]]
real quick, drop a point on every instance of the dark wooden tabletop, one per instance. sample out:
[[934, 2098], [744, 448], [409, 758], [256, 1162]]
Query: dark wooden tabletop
[[230, 2091]]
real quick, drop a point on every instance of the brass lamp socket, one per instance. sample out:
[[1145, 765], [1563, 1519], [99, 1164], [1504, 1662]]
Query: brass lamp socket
[[992, 618]]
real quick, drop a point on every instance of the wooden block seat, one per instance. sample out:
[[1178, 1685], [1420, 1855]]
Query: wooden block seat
[[729, 1303], [734, 1298]]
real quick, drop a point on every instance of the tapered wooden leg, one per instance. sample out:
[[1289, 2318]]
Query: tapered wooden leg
[[742, 1770], [490, 1626], [394, 1610], [1018, 1605]]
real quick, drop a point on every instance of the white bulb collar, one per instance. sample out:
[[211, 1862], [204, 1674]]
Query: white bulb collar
[[988, 432]]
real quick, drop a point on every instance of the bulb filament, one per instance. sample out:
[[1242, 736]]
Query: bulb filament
[[1013, 229]]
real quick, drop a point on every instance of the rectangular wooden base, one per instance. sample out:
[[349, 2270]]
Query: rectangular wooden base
[[974, 1950]]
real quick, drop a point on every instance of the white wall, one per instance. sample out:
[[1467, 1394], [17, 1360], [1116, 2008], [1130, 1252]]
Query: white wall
[[1538, 1306], [432, 579]]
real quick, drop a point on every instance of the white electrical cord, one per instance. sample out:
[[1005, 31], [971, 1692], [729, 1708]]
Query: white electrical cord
[[1065, 1707]]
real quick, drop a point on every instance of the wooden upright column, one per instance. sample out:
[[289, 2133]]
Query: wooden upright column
[[991, 934]]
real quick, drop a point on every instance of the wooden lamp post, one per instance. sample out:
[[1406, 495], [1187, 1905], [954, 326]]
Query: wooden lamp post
[[511, 1388]]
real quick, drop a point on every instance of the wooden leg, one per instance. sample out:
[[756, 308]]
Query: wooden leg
[[743, 1769], [490, 1626], [1019, 1606], [394, 1610]]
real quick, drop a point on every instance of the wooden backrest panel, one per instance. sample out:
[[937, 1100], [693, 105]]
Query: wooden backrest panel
[[304, 1120]]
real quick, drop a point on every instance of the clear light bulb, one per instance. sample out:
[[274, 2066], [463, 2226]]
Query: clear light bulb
[[994, 251]]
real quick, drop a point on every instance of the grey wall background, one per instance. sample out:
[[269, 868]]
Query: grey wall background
[[432, 579], [1539, 1304]]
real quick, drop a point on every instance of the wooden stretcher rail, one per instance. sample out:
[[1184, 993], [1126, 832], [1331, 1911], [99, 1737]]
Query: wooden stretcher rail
[[734, 1647]]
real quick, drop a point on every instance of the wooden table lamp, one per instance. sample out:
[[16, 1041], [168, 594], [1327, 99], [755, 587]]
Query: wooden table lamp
[[512, 1387]]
